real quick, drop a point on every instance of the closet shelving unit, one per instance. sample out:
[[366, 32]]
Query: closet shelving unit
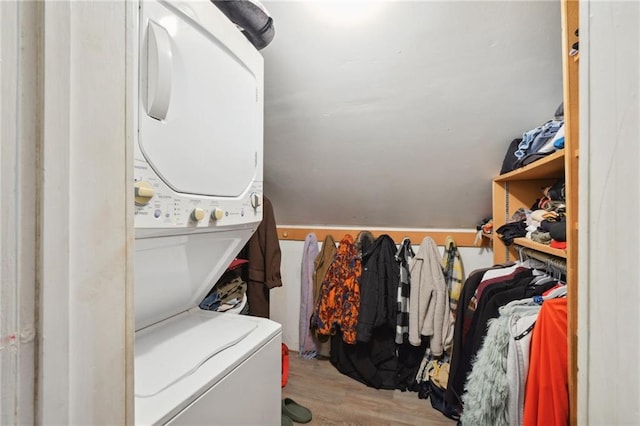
[[521, 187]]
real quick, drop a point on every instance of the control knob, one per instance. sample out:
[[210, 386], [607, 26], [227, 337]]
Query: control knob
[[217, 214], [143, 192], [197, 214]]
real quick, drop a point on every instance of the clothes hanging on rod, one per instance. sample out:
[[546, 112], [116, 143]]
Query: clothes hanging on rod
[[518, 356], [307, 347], [381, 355], [429, 312], [321, 265], [486, 292], [264, 255], [489, 359], [550, 261], [339, 301], [378, 288], [409, 356], [473, 329], [487, 388], [372, 358], [463, 317], [453, 272], [404, 256], [548, 368]]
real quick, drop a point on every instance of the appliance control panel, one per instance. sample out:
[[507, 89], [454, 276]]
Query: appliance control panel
[[159, 206]]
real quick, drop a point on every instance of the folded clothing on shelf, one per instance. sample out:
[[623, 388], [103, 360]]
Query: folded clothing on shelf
[[557, 229], [509, 231], [535, 144]]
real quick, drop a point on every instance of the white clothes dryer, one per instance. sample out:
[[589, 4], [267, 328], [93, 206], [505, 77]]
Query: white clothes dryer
[[198, 186]]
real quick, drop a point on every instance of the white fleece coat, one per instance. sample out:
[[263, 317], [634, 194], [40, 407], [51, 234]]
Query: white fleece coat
[[429, 311], [486, 396]]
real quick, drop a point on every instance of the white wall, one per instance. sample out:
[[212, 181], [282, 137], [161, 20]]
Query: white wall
[[65, 210], [380, 109], [85, 340], [285, 300], [19, 129], [609, 275]]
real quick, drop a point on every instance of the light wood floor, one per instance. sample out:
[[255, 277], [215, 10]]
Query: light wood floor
[[335, 399]]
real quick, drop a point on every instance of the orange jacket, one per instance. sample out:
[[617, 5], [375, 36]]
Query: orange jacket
[[339, 299]]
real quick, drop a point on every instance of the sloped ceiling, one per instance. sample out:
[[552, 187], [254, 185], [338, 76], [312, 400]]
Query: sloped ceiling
[[398, 114]]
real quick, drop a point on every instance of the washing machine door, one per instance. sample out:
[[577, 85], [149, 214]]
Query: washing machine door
[[200, 109]]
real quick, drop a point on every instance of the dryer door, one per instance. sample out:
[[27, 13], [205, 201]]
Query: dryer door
[[200, 109]]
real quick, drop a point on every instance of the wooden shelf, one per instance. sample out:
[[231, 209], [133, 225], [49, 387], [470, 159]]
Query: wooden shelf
[[549, 167], [526, 242]]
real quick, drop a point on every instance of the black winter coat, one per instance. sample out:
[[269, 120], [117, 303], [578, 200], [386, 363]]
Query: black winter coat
[[378, 288]]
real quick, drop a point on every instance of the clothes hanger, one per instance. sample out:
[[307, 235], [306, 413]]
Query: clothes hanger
[[556, 293], [553, 294], [521, 255], [405, 248], [537, 300]]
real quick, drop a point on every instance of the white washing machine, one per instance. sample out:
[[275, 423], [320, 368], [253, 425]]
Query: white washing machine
[[198, 179]]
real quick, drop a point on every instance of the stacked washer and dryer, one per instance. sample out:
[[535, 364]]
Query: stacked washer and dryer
[[198, 183]]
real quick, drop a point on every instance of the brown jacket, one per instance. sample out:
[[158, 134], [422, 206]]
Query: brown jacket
[[263, 253]]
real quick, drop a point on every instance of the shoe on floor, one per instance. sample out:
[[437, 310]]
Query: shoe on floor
[[295, 411], [286, 421]]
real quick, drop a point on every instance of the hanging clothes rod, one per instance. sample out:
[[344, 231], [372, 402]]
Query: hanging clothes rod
[[556, 262]]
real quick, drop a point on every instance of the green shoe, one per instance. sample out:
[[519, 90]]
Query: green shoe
[[295, 411], [286, 421]]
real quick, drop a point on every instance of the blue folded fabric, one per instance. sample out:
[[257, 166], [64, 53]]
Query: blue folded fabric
[[211, 302]]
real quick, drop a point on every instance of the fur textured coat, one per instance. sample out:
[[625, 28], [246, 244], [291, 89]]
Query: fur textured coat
[[486, 394]]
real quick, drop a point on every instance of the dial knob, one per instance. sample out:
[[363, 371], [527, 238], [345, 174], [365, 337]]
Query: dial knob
[[256, 200], [217, 214], [143, 192], [197, 214]]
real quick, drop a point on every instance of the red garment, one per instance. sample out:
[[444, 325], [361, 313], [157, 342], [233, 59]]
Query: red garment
[[285, 365], [562, 245], [546, 399]]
